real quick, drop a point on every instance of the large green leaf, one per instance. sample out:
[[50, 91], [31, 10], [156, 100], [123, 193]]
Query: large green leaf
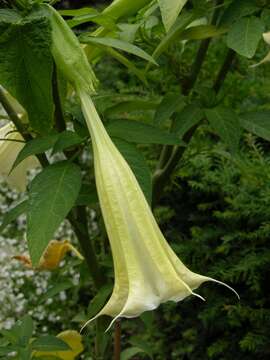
[[226, 123], [170, 10], [244, 36], [138, 165], [257, 123], [120, 45], [26, 64], [52, 194], [140, 133], [236, 10]]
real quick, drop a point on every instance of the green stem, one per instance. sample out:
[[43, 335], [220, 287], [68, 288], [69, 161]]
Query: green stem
[[229, 59], [78, 219], [59, 116]]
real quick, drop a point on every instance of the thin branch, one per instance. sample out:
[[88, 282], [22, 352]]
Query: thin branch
[[117, 340], [229, 59]]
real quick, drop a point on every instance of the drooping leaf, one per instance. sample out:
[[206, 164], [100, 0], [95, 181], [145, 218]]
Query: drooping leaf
[[257, 123], [49, 343], [35, 147], [52, 194], [120, 45], [169, 104], [244, 36], [138, 165], [86, 14], [170, 10], [26, 64], [13, 214], [226, 123], [140, 133]]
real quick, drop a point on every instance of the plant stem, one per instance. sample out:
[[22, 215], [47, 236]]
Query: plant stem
[[224, 70], [59, 117], [78, 219], [117, 340]]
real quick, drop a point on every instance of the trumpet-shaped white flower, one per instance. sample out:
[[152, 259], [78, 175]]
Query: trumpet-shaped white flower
[[147, 271], [9, 149]]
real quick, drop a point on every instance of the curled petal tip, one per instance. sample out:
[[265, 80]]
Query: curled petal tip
[[227, 286]]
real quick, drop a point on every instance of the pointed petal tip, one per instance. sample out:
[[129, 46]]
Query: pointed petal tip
[[227, 286]]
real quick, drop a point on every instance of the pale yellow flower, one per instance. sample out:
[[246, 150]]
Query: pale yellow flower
[[147, 271], [9, 150]]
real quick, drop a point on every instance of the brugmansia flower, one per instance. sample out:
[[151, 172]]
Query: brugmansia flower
[[10, 146], [73, 339], [147, 271], [52, 256]]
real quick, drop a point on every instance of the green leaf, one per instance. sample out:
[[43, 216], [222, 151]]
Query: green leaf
[[244, 36], [130, 352], [169, 104], [26, 65], [120, 45], [52, 194], [35, 147], [99, 300], [126, 62], [201, 32], [140, 133], [226, 123], [182, 22], [65, 140], [170, 9], [49, 343], [26, 327], [138, 165], [56, 289], [130, 106], [257, 123], [236, 10], [87, 196], [186, 119], [13, 214]]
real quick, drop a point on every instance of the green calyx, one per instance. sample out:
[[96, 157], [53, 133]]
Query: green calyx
[[69, 55]]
